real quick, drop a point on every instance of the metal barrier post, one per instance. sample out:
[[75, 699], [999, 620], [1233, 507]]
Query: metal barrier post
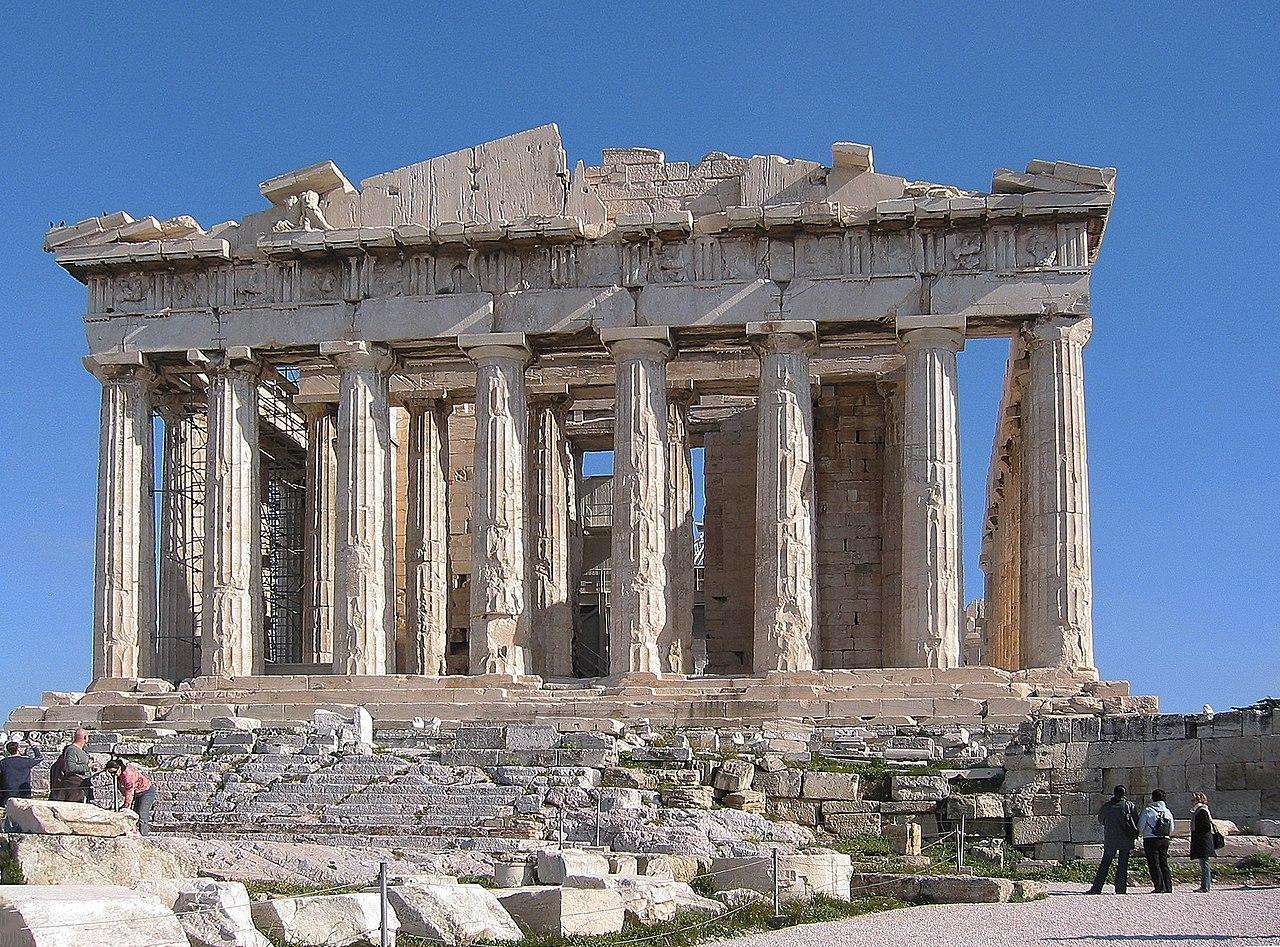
[[960, 834], [777, 893], [383, 933]]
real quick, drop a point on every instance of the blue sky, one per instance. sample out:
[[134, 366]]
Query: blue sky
[[185, 108]]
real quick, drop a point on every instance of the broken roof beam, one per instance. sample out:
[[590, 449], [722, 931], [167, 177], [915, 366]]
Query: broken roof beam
[[323, 178]]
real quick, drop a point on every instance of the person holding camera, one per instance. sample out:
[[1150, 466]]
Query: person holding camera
[[15, 773], [136, 790]]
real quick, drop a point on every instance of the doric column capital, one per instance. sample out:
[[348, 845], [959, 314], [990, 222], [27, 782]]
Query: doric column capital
[[787, 335], [1057, 329], [496, 347], [626, 342], [315, 410], [358, 355], [117, 366], [931, 338], [233, 359]]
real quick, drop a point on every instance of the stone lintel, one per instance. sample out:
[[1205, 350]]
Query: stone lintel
[[932, 320], [804, 327], [321, 178]]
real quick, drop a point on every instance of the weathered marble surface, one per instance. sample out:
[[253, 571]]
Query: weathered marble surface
[[320, 537], [427, 537], [177, 645], [554, 584], [786, 632]]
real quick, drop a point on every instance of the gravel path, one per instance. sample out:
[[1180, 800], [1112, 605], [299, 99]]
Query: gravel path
[[1229, 917]]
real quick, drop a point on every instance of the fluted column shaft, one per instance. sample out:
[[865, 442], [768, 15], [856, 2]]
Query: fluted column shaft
[[1058, 622], [320, 538], [932, 578], [181, 541], [365, 620], [427, 536], [638, 557], [233, 618], [554, 596], [675, 647], [786, 632], [891, 520], [124, 616], [500, 626]]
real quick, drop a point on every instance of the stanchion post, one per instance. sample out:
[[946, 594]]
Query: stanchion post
[[777, 891], [960, 833], [383, 933]]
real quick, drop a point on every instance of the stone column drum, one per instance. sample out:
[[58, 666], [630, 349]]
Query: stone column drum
[[364, 625], [675, 648], [124, 616], [500, 626], [427, 536], [320, 539], [233, 616], [638, 556], [553, 592], [181, 539], [932, 580], [1057, 623], [786, 632]]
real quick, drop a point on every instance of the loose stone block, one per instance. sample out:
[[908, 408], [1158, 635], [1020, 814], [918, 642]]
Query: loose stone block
[[555, 866], [852, 824], [334, 920], [455, 914], [904, 838], [63, 915], [42, 817], [566, 912], [734, 775], [784, 784], [919, 788]]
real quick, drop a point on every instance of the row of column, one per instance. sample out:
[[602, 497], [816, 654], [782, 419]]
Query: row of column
[[521, 579]]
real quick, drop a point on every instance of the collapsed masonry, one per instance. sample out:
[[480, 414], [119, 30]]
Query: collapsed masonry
[[464, 797], [375, 403]]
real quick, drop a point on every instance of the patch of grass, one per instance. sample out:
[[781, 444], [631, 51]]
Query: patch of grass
[[864, 845], [290, 889], [484, 881], [695, 928], [10, 870]]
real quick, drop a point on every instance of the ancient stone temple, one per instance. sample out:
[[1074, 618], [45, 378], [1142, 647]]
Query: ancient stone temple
[[375, 403]]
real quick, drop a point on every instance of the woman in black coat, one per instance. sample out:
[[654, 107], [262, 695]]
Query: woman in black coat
[[1202, 847]]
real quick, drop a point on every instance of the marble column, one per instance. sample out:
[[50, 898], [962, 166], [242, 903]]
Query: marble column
[[426, 548], [554, 597], [320, 536], [1057, 623], [638, 554], [233, 608], [891, 520], [786, 630], [124, 605], [500, 626], [675, 647], [932, 580], [177, 650], [365, 619]]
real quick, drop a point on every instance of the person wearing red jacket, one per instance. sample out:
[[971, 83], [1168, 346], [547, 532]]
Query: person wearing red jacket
[[136, 789]]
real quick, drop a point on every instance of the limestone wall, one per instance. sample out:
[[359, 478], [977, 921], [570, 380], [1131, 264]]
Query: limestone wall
[[729, 530], [849, 426]]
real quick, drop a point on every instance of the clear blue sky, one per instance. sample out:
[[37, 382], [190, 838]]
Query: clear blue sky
[[184, 108]]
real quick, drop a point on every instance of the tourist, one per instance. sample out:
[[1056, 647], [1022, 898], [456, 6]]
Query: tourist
[[15, 774], [71, 776], [136, 789], [1155, 825], [1119, 824], [1205, 839]]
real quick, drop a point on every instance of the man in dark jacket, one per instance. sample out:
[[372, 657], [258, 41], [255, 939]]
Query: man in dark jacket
[[1119, 828], [15, 774]]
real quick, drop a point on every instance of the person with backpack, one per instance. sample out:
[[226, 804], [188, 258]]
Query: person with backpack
[[71, 776], [1205, 839], [1155, 825], [1119, 828]]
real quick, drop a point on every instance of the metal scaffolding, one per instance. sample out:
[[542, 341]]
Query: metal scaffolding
[[284, 478]]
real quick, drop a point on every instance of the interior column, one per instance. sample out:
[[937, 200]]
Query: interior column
[[675, 648], [320, 539], [427, 535], [553, 595], [181, 540]]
